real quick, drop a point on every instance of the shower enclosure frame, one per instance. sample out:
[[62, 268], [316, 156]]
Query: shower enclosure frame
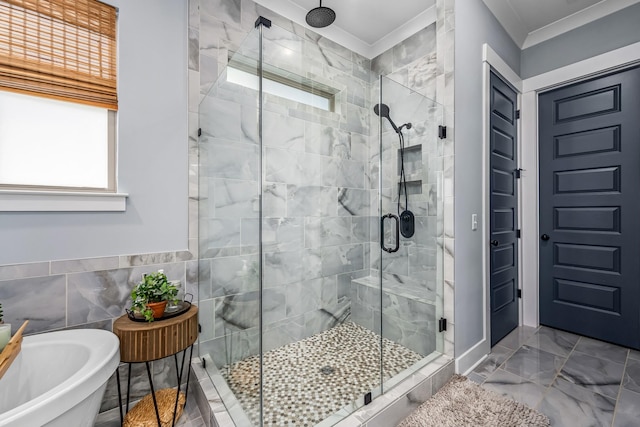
[[263, 25]]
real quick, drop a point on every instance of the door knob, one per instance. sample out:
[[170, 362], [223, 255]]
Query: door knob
[[494, 243], [545, 237]]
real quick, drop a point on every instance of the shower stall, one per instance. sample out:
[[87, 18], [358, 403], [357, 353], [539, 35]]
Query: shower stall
[[318, 291]]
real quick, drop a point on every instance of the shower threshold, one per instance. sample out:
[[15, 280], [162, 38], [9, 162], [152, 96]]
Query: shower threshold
[[317, 381]]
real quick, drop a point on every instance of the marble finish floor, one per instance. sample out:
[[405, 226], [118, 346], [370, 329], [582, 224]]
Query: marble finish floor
[[309, 380], [574, 380], [191, 416]]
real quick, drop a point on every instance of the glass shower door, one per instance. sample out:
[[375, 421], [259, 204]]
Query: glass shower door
[[229, 262], [409, 261], [318, 363]]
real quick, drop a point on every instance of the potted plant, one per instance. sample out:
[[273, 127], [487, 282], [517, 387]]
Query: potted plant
[[151, 294]]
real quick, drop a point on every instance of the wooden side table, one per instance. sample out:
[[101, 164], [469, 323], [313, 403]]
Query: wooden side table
[[143, 342]]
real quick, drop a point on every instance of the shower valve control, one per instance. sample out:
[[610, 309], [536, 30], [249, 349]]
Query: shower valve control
[[407, 224]]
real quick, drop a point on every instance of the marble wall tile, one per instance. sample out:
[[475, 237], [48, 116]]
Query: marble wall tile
[[194, 13], [342, 259], [207, 75], [21, 271], [277, 335], [225, 10], [222, 233], [232, 160], [422, 74], [146, 259], [360, 148], [382, 64], [325, 318], [236, 313], [311, 201], [305, 296], [234, 275], [274, 200], [281, 268], [327, 140], [353, 202], [312, 263], [194, 49], [361, 229], [220, 118], [41, 300], [327, 231], [206, 316], [408, 334], [236, 199], [89, 264], [357, 120], [137, 391], [282, 166], [281, 234], [342, 173], [100, 295], [283, 131], [274, 307]]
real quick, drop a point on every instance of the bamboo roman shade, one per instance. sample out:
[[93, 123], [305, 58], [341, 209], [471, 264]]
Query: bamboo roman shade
[[62, 49]]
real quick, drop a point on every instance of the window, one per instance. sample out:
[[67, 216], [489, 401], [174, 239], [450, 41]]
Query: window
[[243, 71], [58, 95]]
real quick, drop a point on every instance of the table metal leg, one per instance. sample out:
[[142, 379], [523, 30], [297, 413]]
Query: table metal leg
[[119, 395], [128, 387], [153, 394], [186, 392], [175, 407]]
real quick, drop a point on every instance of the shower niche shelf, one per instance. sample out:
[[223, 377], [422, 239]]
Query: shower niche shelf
[[412, 168]]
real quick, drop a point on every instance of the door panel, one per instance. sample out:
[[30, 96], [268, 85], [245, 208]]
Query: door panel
[[589, 208], [503, 210]]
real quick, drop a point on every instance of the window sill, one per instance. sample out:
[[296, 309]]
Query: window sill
[[61, 201]]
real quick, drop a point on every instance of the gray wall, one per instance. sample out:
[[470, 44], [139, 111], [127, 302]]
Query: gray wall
[[474, 25], [611, 32], [75, 270], [152, 152]]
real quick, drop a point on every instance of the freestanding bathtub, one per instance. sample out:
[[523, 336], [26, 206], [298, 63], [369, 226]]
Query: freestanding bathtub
[[58, 379]]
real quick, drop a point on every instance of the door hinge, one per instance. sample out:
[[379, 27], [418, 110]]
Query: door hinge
[[204, 363], [519, 293], [517, 114], [442, 132], [518, 173], [367, 398], [518, 234], [199, 328], [442, 324], [199, 131]]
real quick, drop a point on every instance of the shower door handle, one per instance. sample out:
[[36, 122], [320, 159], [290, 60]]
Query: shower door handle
[[397, 246]]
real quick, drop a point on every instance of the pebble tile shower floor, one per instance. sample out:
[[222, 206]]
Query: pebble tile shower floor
[[306, 381]]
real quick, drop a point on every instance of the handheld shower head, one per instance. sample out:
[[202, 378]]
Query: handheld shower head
[[382, 110]]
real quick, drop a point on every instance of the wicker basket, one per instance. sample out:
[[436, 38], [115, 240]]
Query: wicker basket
[[144, 413]]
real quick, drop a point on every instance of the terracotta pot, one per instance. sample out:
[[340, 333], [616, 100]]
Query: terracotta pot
[[157, 308]]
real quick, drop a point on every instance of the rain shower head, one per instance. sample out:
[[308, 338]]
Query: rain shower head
[[321, 17]]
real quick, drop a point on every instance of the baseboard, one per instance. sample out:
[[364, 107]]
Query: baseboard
[[472, 357]]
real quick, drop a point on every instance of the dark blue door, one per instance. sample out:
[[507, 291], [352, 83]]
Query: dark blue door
[[589, 137], [503, 210]]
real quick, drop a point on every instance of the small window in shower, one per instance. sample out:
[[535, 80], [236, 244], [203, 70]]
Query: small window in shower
[[295, 88]]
